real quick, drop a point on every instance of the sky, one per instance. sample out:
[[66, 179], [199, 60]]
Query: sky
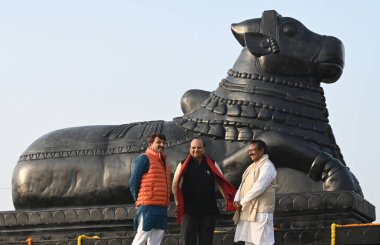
[[77, 63]]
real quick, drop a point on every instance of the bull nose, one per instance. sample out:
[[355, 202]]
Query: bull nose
[[332, 51], [330, 60]]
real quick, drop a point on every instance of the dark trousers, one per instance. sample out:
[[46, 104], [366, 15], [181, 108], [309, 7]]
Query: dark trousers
[[198, 230]]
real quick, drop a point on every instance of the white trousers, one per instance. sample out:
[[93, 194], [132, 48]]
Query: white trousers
[[152, 237]]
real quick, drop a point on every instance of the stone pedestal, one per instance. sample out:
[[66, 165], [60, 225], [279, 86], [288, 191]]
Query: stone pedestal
[[306, 218], [299, 219], [321, 209]]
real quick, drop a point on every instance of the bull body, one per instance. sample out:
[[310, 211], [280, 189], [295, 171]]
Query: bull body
[[272, 93]]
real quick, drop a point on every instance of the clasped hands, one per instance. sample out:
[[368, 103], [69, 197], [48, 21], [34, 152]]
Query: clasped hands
[[238, 205]]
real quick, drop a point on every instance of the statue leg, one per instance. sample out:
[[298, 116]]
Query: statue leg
[[319, 165], [287, 151], [334, 175]]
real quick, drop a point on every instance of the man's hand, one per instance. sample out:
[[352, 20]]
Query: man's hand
[[237, 205]]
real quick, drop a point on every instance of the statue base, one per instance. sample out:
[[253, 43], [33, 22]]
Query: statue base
[[300, 218]]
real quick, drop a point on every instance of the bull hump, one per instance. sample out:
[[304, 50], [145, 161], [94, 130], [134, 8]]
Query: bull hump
[[245, 104]]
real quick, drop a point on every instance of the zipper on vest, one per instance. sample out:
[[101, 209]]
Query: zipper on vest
[[166, 180]]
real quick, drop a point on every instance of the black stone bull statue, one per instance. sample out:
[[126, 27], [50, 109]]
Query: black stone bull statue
[[272, 93]]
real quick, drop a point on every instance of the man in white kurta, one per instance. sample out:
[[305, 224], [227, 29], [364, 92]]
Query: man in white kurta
[[256, 198]]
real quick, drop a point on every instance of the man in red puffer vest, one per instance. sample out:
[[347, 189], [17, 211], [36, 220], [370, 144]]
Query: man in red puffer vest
[[150, 187]]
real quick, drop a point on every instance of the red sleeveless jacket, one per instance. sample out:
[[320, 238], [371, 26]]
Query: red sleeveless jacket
[[227, 188], [155, 184]]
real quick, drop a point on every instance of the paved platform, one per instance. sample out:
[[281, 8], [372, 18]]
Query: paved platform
[[300, 218]]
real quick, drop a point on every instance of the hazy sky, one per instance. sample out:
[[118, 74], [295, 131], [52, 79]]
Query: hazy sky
[[77, 63]]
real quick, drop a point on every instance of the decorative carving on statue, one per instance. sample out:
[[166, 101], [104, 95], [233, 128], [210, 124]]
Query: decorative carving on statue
[[272, 93]]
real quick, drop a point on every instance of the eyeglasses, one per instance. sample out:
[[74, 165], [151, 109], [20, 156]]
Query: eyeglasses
[[196, 148]]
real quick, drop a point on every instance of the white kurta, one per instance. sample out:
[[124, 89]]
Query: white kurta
[[261, 231]]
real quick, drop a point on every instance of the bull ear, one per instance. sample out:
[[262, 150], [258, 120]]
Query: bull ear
[[259, 44]]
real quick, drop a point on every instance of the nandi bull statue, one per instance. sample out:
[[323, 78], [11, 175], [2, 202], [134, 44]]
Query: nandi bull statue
[[272, 93]]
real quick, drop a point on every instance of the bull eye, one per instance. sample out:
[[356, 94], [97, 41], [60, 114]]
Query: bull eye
[[290, 29], [265, 43]]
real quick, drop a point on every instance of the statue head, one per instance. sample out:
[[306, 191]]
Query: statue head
[[284, 46]]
